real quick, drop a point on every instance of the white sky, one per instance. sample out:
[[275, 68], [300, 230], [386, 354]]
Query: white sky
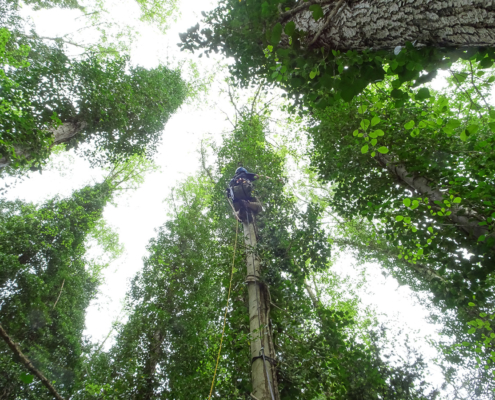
[[138, 215]]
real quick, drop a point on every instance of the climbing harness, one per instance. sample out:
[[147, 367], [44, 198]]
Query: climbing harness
[[226, 308]]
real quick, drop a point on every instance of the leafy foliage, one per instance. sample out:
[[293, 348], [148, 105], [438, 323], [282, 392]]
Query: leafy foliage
[[251, 34], [46, 285], [174, 303]]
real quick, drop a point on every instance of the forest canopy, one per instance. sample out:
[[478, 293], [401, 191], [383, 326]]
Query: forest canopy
[[368, 128]]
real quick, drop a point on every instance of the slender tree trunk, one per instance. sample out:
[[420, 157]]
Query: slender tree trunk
[[155, 352], [463, 217], [362, 24], [61, 134], [264, 376]]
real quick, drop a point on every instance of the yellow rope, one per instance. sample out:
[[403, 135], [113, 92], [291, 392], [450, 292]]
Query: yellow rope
[[226, 308]]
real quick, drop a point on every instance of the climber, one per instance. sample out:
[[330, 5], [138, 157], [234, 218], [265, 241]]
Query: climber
[[240, 188]]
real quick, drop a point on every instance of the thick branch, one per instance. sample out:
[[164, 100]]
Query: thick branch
[[385, 24], [327, 22], [459, 214], [17, 351]]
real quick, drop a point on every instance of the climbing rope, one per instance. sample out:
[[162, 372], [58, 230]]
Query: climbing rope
[[226, 308]]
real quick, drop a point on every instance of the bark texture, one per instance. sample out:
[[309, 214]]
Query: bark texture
[[464, 218], [362, 24], [259, 316]]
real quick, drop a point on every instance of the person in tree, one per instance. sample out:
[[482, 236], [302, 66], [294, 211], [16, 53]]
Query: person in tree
[[240, 189]]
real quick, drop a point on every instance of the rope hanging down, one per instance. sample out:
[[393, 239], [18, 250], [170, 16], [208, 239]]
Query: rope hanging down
[[226, 308]]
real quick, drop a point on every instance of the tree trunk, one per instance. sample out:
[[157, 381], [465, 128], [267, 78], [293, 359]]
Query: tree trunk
[[62, 134], [155, 352], [362, 24], [464, 218], [262, 349]]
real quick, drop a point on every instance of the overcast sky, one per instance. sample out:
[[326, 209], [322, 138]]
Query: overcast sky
[[137, 216]]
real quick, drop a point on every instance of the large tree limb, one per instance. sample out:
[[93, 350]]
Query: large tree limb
[[25, 361], [386, 24], [62, 134], [464, 218]]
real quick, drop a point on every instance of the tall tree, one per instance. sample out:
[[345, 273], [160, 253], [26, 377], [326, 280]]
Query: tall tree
[[46, 286], [47, 280], [169, 346], [119, 109], [426, 187]]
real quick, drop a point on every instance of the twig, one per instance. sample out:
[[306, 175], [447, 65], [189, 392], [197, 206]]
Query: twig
[[59, 293], [232, 101], [327, 22], [466, 93], [203, 164], [285, 15], [476, 87], [24, 360], [255, 97]]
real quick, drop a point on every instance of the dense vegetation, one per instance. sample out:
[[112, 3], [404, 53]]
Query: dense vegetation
[[404, 171]]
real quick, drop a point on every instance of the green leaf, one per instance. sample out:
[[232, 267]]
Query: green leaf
[[364, 149], [378, 132], [375, 120], [407, 202], [451, 125], [463, 136], [471, 304], [312, 74], [461, 77], [409, 125], [265, 9], [373, 142], [365, 123], [290, 28], [362, 109], [383, 150], [26, 378], [276, 33], [415, 204], [422, 94], [317, 11], [473, 128], [399, 218], [485, 63], [355, 133], [430, 229], [457, 200], [491, 125]]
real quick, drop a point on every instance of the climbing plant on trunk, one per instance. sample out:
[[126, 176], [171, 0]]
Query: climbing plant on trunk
[[169, 346]]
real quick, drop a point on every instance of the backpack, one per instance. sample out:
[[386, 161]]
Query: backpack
[[242, 191]]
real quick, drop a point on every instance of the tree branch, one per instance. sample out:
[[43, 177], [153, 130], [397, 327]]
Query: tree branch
[[327, 22], [476, 87], [59, 293], [24, 360], [286, 15]]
